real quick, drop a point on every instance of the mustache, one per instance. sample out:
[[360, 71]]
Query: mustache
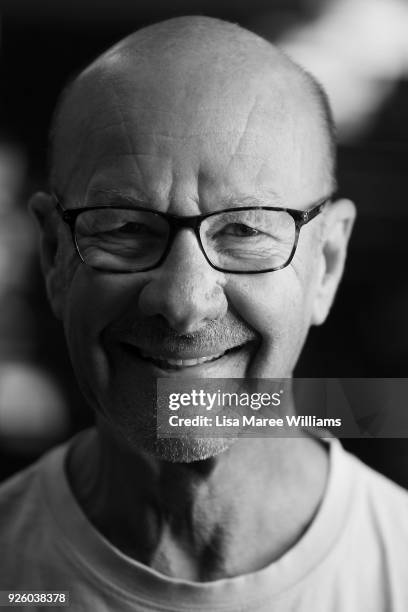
[[154, 332]]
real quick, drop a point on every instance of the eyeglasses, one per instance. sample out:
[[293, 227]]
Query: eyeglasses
[[245, 240]]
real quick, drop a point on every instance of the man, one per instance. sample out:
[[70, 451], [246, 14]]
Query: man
[[191, 117]]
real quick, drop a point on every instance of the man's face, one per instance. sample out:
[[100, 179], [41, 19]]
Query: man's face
[[187, 153]]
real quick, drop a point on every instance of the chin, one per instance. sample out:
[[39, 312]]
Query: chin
[[188, 450], [173, 450]]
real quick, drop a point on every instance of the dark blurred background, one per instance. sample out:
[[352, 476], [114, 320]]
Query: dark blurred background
[[358, 49]]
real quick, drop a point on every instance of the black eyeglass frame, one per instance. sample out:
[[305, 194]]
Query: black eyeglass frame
[[177, 222]]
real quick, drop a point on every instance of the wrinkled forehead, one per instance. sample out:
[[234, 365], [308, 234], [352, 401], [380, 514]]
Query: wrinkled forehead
[[199, 134]]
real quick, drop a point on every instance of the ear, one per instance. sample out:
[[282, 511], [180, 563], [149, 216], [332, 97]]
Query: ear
[[42, 207], [338, 223]]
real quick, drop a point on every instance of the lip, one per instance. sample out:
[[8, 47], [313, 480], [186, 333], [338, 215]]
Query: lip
[[180, 361]]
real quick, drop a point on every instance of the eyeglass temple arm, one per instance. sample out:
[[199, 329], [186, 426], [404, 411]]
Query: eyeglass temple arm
[[308, 215], [66, 215], [57, 203]]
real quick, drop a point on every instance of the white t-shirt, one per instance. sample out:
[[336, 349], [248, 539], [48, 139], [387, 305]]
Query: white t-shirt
[[353, 557]]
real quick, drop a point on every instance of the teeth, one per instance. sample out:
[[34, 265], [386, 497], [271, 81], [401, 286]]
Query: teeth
[[182, 362]]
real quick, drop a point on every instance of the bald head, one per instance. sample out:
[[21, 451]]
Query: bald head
[[202, 73]]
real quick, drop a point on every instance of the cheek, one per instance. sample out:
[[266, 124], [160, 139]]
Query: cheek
[[266, 302], [94, 301], [276, 306]]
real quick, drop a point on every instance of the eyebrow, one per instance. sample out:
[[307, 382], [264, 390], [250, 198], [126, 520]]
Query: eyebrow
[[271, 198], [113, 196], [116, 197]]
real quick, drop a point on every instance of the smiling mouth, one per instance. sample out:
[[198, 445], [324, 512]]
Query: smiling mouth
[[170, 363]]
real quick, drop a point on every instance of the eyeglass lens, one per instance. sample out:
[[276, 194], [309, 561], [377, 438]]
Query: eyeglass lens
[[250, 240]]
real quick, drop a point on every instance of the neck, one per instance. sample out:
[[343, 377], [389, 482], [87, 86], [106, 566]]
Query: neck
[[207, 520]]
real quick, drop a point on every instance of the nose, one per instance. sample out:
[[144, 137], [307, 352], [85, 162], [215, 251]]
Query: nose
[[185, 289]]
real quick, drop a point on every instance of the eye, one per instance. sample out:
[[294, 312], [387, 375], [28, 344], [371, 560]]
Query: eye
[[240, 230], [132, 228]]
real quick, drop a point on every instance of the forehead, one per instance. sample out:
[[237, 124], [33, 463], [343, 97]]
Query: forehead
[[191, 142]]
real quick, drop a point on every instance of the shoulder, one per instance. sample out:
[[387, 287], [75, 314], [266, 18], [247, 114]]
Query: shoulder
[[23, 501], [375, 484], [22, 518], [32, 544], [378, 502], [17, 492]]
